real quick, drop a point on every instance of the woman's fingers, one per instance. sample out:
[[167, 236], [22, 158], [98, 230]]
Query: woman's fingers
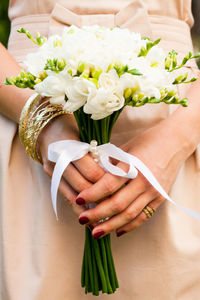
[[104, 187], [89, 169], [82, 178], [67, 191], [115, 204], [140, 219], [125, 217], [70, 196], [75, 179]]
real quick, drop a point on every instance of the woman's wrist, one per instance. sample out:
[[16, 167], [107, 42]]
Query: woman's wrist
[[61, 128]]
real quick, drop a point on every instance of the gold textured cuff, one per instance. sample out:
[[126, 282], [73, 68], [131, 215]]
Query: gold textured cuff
[[34, 117]]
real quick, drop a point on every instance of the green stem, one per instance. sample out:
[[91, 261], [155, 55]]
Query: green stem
[[113, 120], [96, 277], [86, 269], [110, 265], [99, 265], [89, 257], [103, 131], [78, 121], [115, 275], [89, 128], [98, 271], [83, 269], [97, 131], [104, 256]]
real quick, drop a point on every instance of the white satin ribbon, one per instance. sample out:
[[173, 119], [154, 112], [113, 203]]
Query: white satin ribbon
[[64, 152]]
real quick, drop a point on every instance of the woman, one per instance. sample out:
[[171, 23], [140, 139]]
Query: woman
[[41, 257]]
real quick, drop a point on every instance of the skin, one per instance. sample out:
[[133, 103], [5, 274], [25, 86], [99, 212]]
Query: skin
[[121, 199]]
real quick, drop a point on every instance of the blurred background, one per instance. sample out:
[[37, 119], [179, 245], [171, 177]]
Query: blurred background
[[5, 24]]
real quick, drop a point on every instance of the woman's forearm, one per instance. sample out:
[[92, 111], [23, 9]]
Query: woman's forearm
[[12, 99], [183, 126]]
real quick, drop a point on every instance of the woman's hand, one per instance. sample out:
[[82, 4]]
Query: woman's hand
[[80, 174], [163, 151]]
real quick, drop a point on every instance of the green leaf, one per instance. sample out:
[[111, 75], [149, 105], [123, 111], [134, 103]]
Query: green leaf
[[145, 38], [156, 42], [134, 72], [196, 55], [8, 81], [143, 51]]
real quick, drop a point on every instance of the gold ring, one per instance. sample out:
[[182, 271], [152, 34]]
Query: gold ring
[[148, 211]]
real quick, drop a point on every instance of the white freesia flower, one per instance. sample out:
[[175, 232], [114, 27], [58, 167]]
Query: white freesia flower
[[156, 57], [54, 86], [128, 80], [78, 92], [103, 103], [35, 62]]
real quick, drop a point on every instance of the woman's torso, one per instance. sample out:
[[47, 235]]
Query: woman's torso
[[180, 9]]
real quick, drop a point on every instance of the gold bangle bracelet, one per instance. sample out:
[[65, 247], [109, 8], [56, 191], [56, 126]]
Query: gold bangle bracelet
[[37, 125], [30, 104], [34, 117]]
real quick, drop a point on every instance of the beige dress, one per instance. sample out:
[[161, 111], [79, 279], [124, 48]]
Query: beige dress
[[40, 258]]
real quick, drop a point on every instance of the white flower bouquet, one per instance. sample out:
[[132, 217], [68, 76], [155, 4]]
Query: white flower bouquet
[[94, 72]]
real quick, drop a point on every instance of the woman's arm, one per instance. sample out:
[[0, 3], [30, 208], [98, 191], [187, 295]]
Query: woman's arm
[[163, 148], [79, 175], [12, 99]]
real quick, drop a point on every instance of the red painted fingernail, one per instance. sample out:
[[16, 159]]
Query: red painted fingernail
[[83, 220], [98, 234], [80, 201], [120, 233]]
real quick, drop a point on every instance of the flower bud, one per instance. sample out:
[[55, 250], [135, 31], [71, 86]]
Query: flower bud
[[61, 64], [81, 67], [43, 75], [37, 80], [172, 93], [162, 93], [140, 96], [96, 73], [135, 98], [85, 74], [167, 63], [128, 93], [111, 66], [23, 74], [182, 77], [184, 102], [8, 81]]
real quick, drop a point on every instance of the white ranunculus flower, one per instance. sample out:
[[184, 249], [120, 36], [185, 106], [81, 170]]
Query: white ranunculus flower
[[103, 103], [78, 92], [109, 80]]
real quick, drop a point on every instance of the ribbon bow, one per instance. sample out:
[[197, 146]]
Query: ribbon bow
[[64, 152], [134, 16]]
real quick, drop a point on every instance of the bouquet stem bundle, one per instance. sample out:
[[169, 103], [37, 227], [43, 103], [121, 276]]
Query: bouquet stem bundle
[[98, 270]]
